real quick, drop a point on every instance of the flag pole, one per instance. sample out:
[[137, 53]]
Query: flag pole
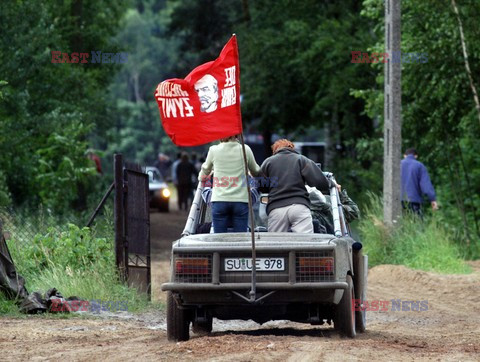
[[253, 291]]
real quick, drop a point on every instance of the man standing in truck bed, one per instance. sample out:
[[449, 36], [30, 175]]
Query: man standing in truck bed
[[288, 202]]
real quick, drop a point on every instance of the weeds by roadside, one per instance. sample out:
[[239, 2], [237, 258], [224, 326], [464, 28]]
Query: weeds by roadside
[[426, 245], [76, 261]]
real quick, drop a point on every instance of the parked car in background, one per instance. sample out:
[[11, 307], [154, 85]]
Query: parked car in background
[[159, 192]]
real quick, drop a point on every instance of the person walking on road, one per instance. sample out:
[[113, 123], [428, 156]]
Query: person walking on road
[[185, 170], [174, 168], [163, 164], [415, 183]]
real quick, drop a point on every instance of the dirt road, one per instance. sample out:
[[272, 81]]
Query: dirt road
[[448, 330]]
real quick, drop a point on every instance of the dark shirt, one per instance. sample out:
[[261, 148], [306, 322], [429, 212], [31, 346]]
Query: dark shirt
[[163, 167], [290, 172], [415, 181], [185, 171]]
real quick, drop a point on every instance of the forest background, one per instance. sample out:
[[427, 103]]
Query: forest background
[[297, 80]]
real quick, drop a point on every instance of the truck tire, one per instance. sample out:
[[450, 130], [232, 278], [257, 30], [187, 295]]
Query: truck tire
[[345, 312], [178, 321]]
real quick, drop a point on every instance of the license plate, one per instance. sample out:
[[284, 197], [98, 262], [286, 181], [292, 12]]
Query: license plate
[[262, 264]]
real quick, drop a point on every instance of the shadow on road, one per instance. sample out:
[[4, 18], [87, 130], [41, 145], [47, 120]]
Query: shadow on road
[[287, 331]]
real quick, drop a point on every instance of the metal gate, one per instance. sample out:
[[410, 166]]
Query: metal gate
[[132, 224]]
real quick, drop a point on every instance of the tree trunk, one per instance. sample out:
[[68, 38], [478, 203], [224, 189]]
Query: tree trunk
[[76, 40], [465, 58], [136, 88], [246, 11]]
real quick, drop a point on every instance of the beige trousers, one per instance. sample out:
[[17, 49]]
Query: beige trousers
[[297, 217]]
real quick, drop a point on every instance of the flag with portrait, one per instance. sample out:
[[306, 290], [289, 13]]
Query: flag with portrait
[[205, 106]]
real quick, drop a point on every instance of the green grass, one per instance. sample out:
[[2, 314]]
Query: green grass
[[76, 261], [420, 245], [7, 307], [98, 283]]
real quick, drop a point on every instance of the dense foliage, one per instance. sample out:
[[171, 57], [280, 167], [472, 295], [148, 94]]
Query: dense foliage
[[137, 131], [73, 247], [296, 76], [48, 110], [76, 261], [439, 116]]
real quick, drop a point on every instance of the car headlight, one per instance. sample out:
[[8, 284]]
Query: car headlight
[[166, 193]]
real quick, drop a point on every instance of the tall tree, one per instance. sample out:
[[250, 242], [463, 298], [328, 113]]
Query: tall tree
[[296, 69], [49, 110], [439, 112], [137, 131], [297, 73]]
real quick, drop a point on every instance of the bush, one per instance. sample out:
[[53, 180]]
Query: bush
[[76, 262], [426, 245], [74, 248]]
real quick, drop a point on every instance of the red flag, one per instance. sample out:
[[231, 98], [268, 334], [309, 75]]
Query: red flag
[[205, 106]]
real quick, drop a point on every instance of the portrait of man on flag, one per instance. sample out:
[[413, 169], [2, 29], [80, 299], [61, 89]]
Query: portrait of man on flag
[[207, 90], [205, 106]]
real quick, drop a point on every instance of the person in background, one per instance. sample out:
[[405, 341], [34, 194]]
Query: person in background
[[415, 183], [194, 160], [174, 168], [288, 202], [184, 172], [197, 167], [163, 164], [229, 198]]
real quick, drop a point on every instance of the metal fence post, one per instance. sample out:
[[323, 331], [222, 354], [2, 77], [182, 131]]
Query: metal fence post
[[119, 215]]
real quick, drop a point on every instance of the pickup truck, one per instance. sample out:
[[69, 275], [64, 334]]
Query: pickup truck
[[307, 278]]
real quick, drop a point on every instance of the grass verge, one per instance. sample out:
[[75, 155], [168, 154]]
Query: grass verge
[[77, 262], [425, 245]]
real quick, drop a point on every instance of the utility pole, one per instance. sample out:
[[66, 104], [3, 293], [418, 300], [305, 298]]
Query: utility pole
[[392, 132]]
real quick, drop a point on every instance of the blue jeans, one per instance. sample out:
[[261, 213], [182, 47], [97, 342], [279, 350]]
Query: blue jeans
[[229, 215]]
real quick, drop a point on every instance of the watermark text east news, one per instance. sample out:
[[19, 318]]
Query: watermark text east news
[[396, 305], [96, 57]]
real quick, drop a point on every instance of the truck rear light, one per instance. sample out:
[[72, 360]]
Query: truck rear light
[[315, 265], [192, 266]]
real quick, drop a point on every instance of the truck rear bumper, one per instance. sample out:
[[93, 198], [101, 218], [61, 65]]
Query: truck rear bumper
[[179, 287]]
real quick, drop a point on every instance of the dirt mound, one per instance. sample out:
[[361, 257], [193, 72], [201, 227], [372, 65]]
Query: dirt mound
[[456, 293]]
